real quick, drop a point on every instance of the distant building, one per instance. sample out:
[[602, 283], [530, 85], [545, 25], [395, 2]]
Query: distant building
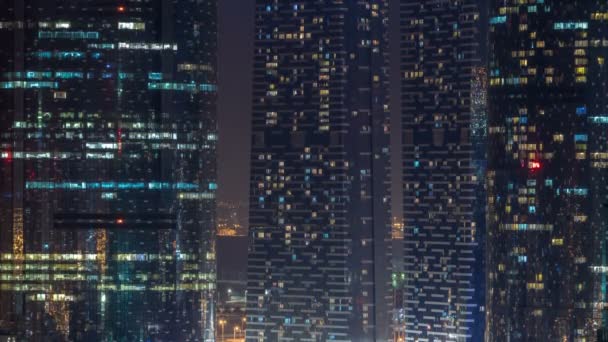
[[7, 338], [442, 92], [397, 229], [602, 335], [548, 155], [231, 219], [7, 334], [319, 218], [107, 169], [231, 285]]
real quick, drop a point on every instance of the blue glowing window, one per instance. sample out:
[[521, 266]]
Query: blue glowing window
[[578, 25], [70, 55], [498, 20], [44, 54], [68, 35], [522, 259], [155, 76], [68, 74], [581, 110]]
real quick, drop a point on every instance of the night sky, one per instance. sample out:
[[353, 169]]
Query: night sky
[[235, 61]]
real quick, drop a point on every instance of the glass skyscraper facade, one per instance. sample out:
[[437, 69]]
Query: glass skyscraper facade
[[548, 154], [319, 206], [443, 122], [107, 170]]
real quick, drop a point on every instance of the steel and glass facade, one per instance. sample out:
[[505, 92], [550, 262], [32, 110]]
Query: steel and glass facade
[[319, 205], [107, 169], [442, 100], [548, 154]]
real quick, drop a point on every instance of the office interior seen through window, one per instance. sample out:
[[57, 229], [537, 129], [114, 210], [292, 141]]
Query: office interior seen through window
[[303, 170]]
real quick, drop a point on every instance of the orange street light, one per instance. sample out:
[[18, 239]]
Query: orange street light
[[222, 323]]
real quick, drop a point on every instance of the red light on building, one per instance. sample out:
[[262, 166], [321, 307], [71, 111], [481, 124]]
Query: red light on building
[[119, 140], [534, 165], [121, 8], [120, 221]]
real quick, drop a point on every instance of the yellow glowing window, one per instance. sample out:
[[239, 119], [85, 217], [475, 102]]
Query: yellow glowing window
[[536, 286], [580, 52]]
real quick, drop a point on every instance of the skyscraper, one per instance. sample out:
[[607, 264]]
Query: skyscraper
[[547, 163], [319, 205], [442, 136], [107, 167]]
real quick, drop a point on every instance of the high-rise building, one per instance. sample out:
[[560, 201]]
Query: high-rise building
[[547, 161], [107, 170], [442, 93], [319, 206]]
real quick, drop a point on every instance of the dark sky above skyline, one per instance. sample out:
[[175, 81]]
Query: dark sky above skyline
[[235, 61]]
